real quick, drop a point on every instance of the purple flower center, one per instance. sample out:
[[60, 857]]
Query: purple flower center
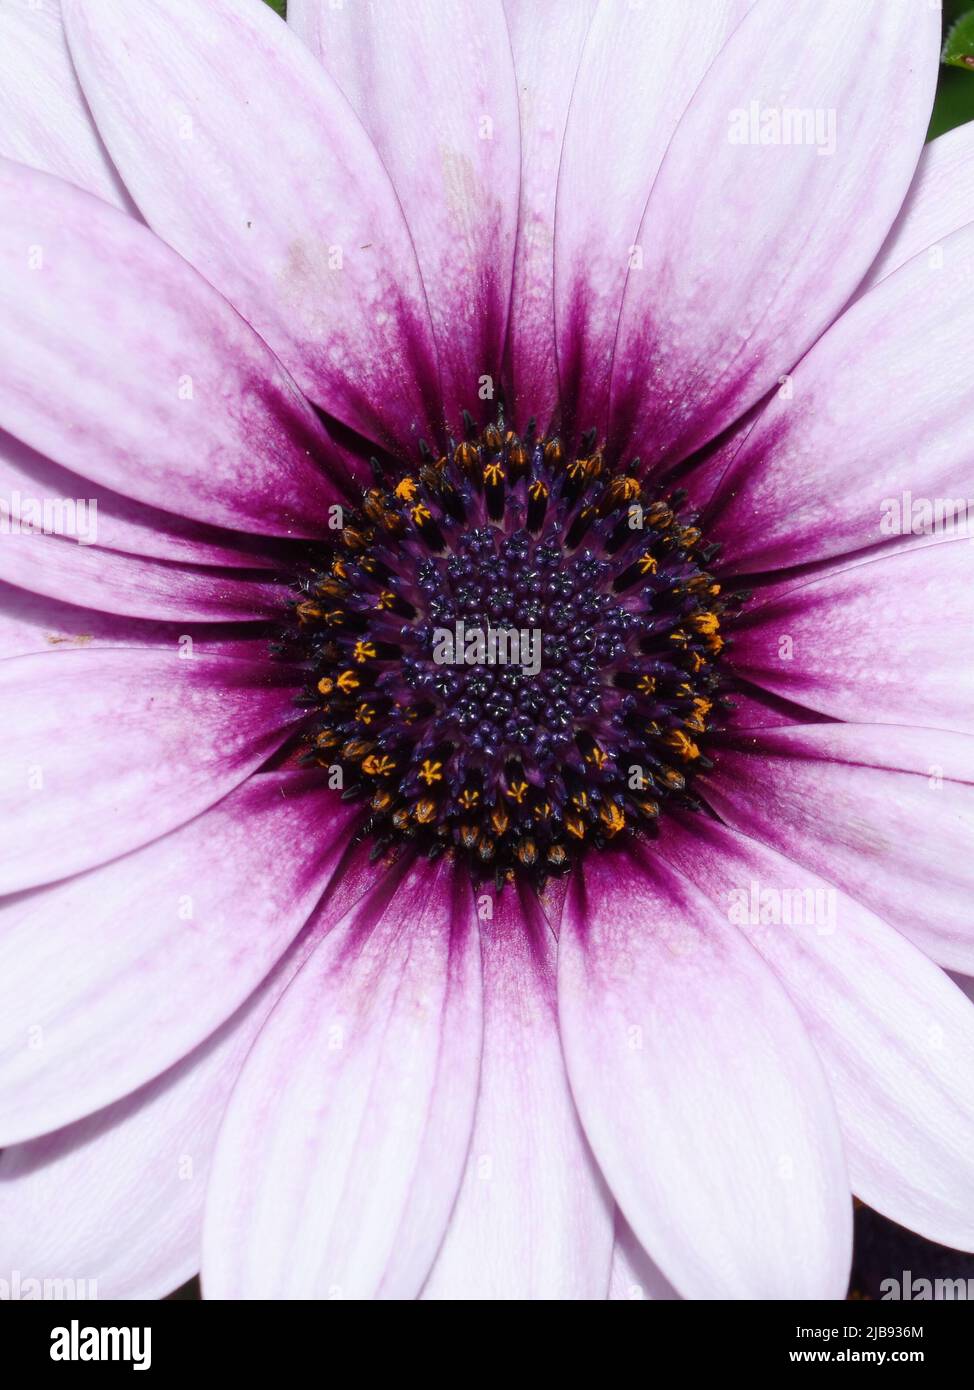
[[514, 652]]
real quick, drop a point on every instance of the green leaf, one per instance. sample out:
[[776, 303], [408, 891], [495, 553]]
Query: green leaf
[[959, 45], [280, 6]]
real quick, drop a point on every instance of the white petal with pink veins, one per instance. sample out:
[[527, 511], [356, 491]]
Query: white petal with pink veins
[[116, 747], [246, 158], [634, 1277], [699, 1090], [533, 1219], [885, 813], [759, 226], [124, 365], [30, 482], [546, 38], [868, 443], [895, 1035], [433, 81], [344, 1140], [940, 201], [44, 118], [640, 66], [111, 977], [881, 642], [118, 1196]]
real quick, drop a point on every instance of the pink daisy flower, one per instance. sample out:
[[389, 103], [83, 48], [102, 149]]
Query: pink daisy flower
[[335, 967]]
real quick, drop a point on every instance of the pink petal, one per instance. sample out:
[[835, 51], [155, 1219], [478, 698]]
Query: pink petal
[[874, 643], [702, 335], [245, 157], [125, 366], [30, 623], [865, 418], [343, 1145], [546, 39], [44, 119], [634, 1277], [882, 812], [896, 1037], [126, 584], [699, 1090], [118, 1196], [121, 524], [639, 68], [114, 748], [433, 83], [533, 1219], [940, 201], [111, 977]]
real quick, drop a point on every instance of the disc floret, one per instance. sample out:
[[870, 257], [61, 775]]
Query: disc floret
[[518, 765]]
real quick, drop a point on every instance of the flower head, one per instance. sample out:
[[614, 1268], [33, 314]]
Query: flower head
[[488, 804]]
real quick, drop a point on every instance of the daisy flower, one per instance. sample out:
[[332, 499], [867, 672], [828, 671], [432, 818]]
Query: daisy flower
[[337, 967]]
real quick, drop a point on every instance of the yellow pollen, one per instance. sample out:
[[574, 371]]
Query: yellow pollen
[[364, 651], [348, 681], [678, 741], [647, 563], [407, 489], [356, 749], [623, 489], [378, 767], [706, 623], [517, 791], [431, 772]]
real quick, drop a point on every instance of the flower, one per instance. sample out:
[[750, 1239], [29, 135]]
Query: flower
[[637, 326]]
